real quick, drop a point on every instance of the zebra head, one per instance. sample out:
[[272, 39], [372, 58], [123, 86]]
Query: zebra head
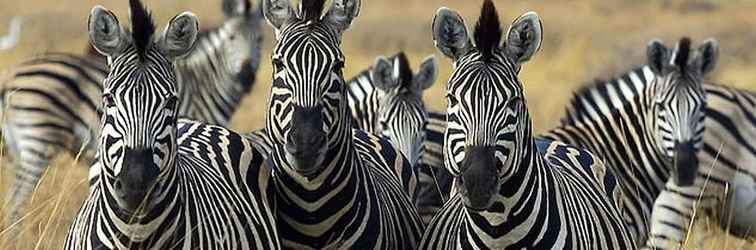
[[307, 108], [138, 140], [401, 116], [241, 39], [489, 128], [679, 101]]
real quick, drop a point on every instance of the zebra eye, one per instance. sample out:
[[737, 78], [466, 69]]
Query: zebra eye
[[452, 100], [108, 100], [277, 63], [171, 103]]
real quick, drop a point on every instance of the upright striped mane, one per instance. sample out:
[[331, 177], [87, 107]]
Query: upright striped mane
[[405, 72], [682, 53], [488, 30], [142, 27], [312, 9]]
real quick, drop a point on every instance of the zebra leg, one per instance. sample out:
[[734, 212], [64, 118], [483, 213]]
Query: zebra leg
[[671, 217], [30, 166]]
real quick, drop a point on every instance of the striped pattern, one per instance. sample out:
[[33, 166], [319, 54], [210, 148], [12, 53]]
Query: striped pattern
[[509, 194], [54, 101], [638, 123], [337, 188], [165, 183]]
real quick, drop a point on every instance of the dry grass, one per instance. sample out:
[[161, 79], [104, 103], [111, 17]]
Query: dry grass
[[584, 39]]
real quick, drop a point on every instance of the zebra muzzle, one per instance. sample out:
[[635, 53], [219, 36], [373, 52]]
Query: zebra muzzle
[[306, 143], [686, 164], [137, 179], [478, 181]]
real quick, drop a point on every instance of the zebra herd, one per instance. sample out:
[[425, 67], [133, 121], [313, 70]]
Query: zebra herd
[[362, 164]]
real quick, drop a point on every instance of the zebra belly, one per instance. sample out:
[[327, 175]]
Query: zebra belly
[[740, 210]]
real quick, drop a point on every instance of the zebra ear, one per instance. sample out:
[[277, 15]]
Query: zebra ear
[[278, 13], [233, 8], [179, 35], [426, 75], [383, 74], [342, 13], [450, 33], [658, 56], [105, 33], [708, 55], [524, 37]]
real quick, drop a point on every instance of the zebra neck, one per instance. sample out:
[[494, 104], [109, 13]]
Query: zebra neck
[[363, 100]]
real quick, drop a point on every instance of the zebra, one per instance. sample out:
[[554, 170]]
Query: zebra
[[336, 188], [14, 34], [386, 99], [647, 124], [166, 183], [51, 103], [508, 193]]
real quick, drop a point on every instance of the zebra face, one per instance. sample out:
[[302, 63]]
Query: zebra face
[[402, 115], [307, 107], [241, 38], [138, 138], [488, 122], [679, 102]]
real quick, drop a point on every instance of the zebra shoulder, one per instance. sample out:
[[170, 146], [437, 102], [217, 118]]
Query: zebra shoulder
[[578, 161], [381, 155]]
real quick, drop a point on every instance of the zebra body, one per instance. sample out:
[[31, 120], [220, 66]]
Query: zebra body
[[508, 194], [165, 183], [220, 198], [648, 125], [54, 101], [337, 188]]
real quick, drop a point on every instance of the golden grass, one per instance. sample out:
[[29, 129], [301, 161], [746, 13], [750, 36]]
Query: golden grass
[[583, 40]]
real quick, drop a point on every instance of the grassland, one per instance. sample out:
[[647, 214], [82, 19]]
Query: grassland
[[583, 40]]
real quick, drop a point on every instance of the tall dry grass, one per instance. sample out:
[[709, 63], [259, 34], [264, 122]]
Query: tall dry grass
[[583, 40]]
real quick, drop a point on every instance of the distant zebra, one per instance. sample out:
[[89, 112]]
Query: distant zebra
[[509, 194], [52, 103], [647, 125], [386, 99], [166, 184], [337, 188], [14, 34]]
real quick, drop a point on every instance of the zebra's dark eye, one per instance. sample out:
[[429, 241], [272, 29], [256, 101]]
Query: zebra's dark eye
[[108, 100], [277, 63], [452, 100], [171, 103]]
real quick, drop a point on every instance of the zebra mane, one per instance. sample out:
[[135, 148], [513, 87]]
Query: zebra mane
[[682, 53], [405, 72], [488, 30], [311, 9], [142, 27]]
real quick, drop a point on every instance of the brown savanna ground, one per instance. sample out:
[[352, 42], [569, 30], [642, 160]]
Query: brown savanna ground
[[583, 40]]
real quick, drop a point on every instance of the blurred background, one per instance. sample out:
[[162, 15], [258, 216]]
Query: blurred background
[[584, 40]]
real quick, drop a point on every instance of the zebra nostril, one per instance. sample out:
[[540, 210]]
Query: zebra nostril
[[118, 185]]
